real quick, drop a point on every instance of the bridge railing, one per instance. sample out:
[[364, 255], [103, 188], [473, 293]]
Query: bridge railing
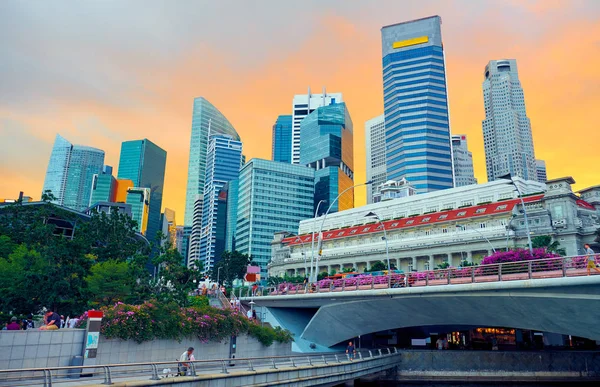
[[109, 373], [507, 271]]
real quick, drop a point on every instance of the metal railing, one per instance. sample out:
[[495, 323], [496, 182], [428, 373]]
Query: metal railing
[[109, 373], [508, 271]]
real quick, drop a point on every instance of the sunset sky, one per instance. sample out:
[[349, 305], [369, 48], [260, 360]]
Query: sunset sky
[[101, 72]]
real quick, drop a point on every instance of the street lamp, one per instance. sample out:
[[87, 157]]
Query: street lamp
[[312, 246], [387, 255], [320, 242], [219, 274], [509, 178], [480, 233]]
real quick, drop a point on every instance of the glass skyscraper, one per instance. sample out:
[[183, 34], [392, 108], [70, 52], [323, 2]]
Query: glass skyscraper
[[417, 130], [206, 121], [326, 145], [232, 208], [223, 161], [273, 196], [104, 187], [507, 137], [463, 161], [70, 173], [375, 152], [282, 139], [143, 162]]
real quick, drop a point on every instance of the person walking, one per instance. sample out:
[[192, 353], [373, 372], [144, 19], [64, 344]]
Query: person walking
[[351, 350], [184, 360], [591, 259]]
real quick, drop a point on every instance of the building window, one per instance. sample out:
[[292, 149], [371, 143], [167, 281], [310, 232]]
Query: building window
[[443, 216], [410, 222], [502, 207], [481, 225], [480, 211], [462, 213], [425, 219]]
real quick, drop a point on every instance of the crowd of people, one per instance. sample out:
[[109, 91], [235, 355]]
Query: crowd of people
[[50, 321]]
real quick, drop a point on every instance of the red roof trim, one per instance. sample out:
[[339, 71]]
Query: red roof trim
[[584, 204], [459, 214]]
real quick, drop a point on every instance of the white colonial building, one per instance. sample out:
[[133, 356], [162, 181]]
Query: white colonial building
[[423, 231]]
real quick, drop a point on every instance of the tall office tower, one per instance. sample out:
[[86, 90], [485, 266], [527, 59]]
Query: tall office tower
[[506, 129], [206, 121], [70, 173], [272, 197], [303, 105], [143, 162], [141, 207], [195, 233], [417, 129], [223, 161], [463, 161], [104, 187], [540, 167], [232, 207], [282, 140], [169, 226], [375, 144], [327, 147], [184, 246]]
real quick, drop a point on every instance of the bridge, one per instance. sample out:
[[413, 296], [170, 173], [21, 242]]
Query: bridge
[[305, 370], [551, 295]]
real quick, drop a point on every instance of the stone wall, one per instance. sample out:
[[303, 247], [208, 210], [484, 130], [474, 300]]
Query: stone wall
[[119, 351], [38, 349], [432, 364]]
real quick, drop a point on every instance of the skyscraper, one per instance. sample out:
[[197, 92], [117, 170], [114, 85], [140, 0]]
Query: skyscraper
[[282, 139], [70, 173], [223, 161], [232, 206], [463, 162], [206, 121], [326, 139], [417, 129], [104, 187], [143, 162], [375, 146], [273, 196], [303, 105], [506, 129], [540, 166]]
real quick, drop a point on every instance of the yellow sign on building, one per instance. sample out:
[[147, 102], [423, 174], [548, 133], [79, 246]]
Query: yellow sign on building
[[410, 42]]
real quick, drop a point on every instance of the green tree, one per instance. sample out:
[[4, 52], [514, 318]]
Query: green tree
[[233, 266], [377, 266], [443, 265], [109, 282], [545, 242], [348, 270], [24, 282]]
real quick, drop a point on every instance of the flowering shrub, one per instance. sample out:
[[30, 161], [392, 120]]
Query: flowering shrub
[[520, 257], [150, 321]]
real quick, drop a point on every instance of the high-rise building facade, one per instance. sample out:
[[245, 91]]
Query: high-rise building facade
[[193, 254], [104, 187], [206, 121], [169, 226], [223, 161], [70, 173], [303, 105], [417, 127], [144, 163], [232, 207], [273, 196], [540, 167], [140, 201], [375, 147], [326, 139], [282, 139], [507, 137], [463, 161]]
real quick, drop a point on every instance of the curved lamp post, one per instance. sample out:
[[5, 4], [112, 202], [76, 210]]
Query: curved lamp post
[[509, 178], [312, 245], [387, 252], [320, 241], [480, 233]]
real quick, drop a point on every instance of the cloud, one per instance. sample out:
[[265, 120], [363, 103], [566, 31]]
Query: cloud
[[104, 72]]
